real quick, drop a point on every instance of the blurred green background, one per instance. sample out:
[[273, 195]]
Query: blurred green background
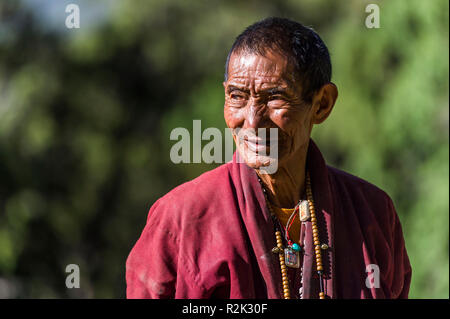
[[85, 118]]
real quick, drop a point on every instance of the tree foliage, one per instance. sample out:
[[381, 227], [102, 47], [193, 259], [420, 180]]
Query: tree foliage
[[85, 118]]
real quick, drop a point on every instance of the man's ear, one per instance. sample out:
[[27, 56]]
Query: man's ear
[[323, 102]]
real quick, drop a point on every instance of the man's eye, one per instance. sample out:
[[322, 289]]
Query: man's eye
[[235, 96], [276, 97]]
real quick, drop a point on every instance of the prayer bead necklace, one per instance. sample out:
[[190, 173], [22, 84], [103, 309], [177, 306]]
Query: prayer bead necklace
[[281, 250]]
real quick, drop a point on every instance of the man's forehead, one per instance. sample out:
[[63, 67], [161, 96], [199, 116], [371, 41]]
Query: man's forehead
[[270, 69]]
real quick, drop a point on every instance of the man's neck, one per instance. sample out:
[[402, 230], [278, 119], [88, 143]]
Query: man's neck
[[287, 186]]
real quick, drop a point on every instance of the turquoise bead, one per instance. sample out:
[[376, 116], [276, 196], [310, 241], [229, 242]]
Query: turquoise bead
[[296, 247]]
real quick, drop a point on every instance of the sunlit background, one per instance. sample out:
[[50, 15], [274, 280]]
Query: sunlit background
[[86, 114]]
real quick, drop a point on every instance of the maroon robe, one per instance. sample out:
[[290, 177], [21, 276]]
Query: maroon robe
[[212, 238]]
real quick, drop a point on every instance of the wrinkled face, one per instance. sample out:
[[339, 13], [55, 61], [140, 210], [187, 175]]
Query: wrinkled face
[[261, 92]]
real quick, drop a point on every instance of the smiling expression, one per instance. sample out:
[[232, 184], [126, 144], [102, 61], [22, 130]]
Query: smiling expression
[[262, 92]]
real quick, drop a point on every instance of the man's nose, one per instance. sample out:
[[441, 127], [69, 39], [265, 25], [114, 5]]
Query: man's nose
[[255, 117]]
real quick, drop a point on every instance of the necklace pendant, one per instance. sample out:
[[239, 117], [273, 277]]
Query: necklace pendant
[[303, 208], [291, 258]]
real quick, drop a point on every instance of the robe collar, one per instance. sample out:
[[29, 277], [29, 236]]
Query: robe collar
[[261, 228]]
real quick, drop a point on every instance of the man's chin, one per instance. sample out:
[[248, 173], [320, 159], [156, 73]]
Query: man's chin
[[255, 165]]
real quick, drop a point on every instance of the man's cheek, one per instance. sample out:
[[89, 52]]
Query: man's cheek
[[233, 119]]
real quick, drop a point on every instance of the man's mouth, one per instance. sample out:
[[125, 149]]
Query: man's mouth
[[259, 146], [259, 140]]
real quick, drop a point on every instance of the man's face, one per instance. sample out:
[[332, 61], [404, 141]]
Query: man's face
[[262, 92]]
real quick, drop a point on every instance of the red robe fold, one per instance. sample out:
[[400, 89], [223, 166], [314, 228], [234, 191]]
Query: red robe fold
[[212, 238]]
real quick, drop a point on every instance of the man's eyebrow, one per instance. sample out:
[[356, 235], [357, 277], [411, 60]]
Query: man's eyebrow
[[276, 90], [232, 88]]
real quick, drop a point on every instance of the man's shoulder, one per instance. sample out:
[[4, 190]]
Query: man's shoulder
[[194, 195], [207, 182], [370, 200]]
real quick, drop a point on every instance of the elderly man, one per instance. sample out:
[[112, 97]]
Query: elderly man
[[306, 230]]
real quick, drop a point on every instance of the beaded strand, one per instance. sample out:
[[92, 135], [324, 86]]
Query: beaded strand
[[315, 230], [284, 275], [317, 246]]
